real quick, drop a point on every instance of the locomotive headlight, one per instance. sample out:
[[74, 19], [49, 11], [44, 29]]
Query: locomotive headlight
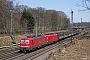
[[56, 34], [47, 37]]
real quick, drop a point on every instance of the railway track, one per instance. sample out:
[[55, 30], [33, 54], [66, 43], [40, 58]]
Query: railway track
[[12, 54], [47, 50], [40, 52], [8, 53]]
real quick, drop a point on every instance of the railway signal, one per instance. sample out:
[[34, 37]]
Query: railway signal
[[72, 23], [72, 18]]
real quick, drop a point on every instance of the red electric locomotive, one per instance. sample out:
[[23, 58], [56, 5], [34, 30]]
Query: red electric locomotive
[[52, 37], [30, 43]]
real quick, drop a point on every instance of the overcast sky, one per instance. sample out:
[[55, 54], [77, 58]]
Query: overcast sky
[[59, 5]]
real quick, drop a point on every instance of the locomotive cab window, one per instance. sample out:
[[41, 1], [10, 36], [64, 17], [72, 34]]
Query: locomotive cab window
[[52, 34], [25, 41]]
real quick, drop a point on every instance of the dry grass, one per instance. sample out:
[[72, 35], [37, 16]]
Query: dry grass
[[6, 40], [80, 50]]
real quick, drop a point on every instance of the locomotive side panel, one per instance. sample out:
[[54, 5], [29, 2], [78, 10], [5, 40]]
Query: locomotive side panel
[[35, 43]]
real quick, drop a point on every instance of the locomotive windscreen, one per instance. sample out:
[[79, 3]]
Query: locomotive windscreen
[[25, 41]]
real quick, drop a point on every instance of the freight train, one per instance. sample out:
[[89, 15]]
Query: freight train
[[31, 43]]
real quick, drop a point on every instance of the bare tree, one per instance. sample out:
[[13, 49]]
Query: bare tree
[[46, 19], [5, 7], [85, 4]]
